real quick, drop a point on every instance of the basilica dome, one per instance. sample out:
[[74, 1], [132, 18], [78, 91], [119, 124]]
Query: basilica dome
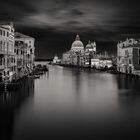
[[91, 47], [77, 45]]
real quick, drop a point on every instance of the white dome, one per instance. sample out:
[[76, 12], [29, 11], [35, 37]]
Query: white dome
[[77, 45], [91, 46], [88, 46]]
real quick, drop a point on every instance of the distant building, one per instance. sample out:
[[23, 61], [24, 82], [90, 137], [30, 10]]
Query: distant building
[[87, 56], [7, 57], [77, 45], [91, 47], [128, 56], [66, 58], [78, 55], [90, 53], [95, 63], [56, 60]]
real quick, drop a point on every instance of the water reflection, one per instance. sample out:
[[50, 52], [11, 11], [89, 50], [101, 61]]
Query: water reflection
[[72, 103], [10, 103], [128, 85]]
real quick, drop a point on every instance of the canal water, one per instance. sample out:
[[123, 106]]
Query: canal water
[[69, 103]]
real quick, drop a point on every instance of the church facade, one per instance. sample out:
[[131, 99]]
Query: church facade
[[79, 55]]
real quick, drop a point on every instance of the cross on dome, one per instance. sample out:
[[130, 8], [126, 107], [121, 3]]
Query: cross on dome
[[77, 37]]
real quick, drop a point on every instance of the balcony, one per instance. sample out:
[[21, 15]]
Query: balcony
[[3, 52], [1, 67]]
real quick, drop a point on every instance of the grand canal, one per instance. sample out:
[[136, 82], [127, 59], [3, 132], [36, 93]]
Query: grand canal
[[71, 103]]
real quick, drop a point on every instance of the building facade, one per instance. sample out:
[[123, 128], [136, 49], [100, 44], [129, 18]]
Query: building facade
[[7, 56], [128, 56], [17, 53], [78, 55], [90, 53], [27, 50], [21, 59]]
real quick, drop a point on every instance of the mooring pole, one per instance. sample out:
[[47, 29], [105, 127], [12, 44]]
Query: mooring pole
[[5, 86]]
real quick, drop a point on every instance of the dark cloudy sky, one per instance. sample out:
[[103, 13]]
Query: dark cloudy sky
[[54, 23]]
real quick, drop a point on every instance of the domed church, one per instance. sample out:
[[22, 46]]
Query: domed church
[[77, 45], [78, 55]]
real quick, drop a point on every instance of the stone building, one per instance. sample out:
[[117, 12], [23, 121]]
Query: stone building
[[28, 53], [128, 56], [7, 56], [21, 59], [90, 53], [76, 55], [77, 45], [17, 53]]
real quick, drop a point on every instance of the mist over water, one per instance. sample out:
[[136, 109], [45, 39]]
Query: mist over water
[[71, 103]]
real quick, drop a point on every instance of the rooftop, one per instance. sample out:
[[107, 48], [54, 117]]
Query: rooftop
[[20, 35]]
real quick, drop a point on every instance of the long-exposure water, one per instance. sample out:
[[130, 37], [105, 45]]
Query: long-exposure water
[[71, 103]]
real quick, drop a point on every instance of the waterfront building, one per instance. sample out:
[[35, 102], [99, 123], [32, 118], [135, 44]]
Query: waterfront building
[[78, 55], [77, 46], [75, 56], [29, 49], [95, 63], [56, 60], [7, 57], [85, 57], [101, 63], [77, 52], [21, 59], [91, 47], [90, 53], [17, 53], [66, 58], [128, 56]]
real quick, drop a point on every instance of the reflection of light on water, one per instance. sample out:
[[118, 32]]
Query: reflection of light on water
[[77, 102]]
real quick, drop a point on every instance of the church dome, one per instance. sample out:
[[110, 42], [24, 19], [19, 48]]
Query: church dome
[[89, 46], [77, 45]]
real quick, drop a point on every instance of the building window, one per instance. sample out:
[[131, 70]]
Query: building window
[[3, 33], [17, 52], [0, 60], [21, 52], [126, 52], [139, 61], [0, 32], [139, 52], [7, 34], [130, 62]]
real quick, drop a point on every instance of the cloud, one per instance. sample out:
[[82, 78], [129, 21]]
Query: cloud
[[102, 20]]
